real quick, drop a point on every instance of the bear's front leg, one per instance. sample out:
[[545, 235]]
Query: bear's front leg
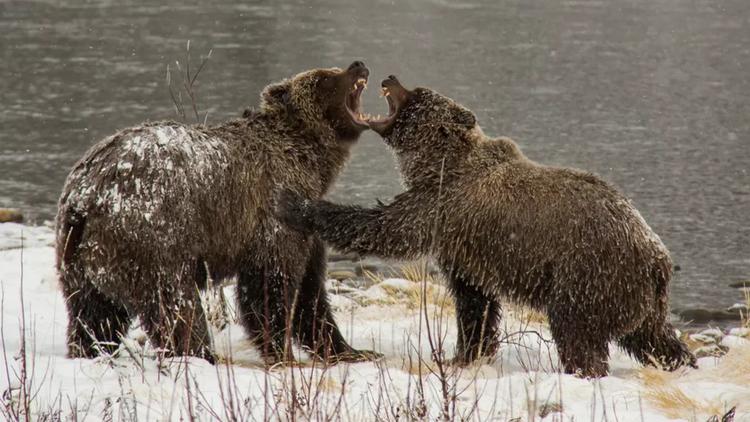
[[477, 319], [399, 230], [315, 327]]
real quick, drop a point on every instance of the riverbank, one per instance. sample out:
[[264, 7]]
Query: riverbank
[[387, 314]]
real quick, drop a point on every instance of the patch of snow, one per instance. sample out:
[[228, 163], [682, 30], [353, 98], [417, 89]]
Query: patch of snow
[[738, 307], [712, 332], [707, 362], [740, 332], [13, 235], [734, 341], [339, 302], [399, 284], [702, 338], [375, 292], [521, 381]]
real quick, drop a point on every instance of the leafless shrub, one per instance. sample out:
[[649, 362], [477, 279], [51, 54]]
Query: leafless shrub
[[187, 84]]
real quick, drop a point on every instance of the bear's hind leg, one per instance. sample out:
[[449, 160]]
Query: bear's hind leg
[[477, 318], [172, 315], [656, 344], [95, 322], [314, 325]]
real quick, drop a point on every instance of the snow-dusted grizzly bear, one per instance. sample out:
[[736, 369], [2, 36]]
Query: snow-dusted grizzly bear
[[152, 213], [502, 226]]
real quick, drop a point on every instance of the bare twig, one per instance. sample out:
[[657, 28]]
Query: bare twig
[[187, 83]]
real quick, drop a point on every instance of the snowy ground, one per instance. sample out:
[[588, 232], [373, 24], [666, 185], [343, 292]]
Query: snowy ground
[[522, 383]]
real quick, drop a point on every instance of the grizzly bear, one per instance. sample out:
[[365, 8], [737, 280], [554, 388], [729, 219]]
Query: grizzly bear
[[501, 226], [153, 213]]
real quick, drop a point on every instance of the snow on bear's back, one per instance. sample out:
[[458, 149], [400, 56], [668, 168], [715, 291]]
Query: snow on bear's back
[[140, 170]]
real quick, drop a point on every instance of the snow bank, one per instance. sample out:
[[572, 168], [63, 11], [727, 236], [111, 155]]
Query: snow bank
[[521, 382]]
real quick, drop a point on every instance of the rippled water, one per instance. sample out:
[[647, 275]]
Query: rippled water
[[653, 95]]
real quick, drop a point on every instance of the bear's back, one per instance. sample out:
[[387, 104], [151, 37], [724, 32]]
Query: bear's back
[[165, 184], [142, 169], [528, 221]]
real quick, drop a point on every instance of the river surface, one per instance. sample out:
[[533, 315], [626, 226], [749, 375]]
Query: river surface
[[653, 95]]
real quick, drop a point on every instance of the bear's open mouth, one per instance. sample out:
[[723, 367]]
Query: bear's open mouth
[[353, 105], [384, 92], [395, 95]]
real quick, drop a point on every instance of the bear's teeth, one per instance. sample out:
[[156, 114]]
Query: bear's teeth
[[362, 81]]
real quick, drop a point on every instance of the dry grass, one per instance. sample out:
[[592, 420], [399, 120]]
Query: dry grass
[[527, 315], [417, 272], [735, 368], [673, 393], [411, 296], [674, 403], [745, 316]]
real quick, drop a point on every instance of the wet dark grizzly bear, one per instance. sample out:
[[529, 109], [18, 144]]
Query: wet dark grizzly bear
[[150, 214], [502, 226]]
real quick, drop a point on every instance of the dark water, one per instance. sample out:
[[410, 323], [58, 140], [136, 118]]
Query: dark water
[[654, 95]]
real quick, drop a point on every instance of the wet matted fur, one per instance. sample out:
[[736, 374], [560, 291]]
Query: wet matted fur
[[559, 240], [152, 213]]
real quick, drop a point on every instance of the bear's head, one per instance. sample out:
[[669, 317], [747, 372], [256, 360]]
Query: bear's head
[[430, 133], [322, 99], [422, 118]]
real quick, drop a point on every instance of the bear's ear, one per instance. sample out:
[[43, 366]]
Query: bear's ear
[[464, 116], [278, 94]]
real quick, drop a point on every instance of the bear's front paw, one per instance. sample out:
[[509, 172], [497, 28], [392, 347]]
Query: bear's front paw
[[294, 211]]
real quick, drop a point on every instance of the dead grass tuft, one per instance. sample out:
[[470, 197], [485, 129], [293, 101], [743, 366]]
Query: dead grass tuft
[[527, 315], [410, 295], [735, 367], [674, 403], [663, 389]]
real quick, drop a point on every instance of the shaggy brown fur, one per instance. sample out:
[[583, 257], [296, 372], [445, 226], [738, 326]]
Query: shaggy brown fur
[[148, 215], [502, 226]]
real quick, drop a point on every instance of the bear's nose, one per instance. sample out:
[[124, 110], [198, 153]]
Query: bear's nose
[[356, 64], [390, 81], [358, 70]]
